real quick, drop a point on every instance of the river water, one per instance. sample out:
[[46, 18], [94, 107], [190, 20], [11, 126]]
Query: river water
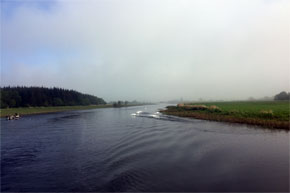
[[124, 149]]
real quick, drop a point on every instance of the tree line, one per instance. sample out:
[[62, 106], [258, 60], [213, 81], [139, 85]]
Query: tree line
[[120, 104], [12, 97], [282, 96]]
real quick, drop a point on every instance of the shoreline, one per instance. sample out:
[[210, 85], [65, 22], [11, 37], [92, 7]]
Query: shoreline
[[23, 111], [219, 117], [44, 110]]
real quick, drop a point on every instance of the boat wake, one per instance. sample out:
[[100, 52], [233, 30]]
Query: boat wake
[[158, 115]]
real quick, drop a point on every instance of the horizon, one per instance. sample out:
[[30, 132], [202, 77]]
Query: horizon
[[148, 50]]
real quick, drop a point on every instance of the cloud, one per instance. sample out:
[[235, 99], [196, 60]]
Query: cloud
[[150, 50]]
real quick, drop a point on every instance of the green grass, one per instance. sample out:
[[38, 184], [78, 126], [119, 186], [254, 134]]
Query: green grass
[[41, 110], [253, 109], [264, 113]]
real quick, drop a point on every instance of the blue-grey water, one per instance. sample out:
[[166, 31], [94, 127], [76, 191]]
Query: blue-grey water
[[123, 149]]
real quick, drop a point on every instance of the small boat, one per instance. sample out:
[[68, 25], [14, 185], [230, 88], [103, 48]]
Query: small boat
[[13, 117]]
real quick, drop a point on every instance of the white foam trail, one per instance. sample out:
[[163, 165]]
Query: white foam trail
[[155, 116]]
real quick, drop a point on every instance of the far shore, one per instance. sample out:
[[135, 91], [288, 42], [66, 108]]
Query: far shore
[[53, 109]]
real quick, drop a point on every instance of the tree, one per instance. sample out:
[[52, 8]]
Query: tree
[[57, 102], [282, 96], [40, 96]]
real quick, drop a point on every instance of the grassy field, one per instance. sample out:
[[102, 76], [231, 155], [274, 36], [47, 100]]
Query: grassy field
[[272, 114], [41, 110]]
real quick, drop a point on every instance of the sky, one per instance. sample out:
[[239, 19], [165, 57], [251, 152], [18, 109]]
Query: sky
[[148, 50]]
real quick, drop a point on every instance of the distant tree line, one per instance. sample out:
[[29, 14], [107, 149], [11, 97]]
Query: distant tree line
[[128, 103], [120, 104], [40, 96], [282, 96]]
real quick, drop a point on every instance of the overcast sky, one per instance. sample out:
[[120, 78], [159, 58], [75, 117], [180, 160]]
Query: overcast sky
[[148, 49]]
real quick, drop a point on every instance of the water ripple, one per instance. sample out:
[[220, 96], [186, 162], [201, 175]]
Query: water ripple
[[112, 150]]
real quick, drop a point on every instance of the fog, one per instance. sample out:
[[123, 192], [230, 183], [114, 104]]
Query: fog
[[148, 49]]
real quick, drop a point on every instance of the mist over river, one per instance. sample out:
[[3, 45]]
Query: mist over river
[[139, 149]]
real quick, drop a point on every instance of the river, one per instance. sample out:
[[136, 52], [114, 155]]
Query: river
[[138, 149]]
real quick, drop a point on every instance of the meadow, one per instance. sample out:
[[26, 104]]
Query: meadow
[[272, 114]]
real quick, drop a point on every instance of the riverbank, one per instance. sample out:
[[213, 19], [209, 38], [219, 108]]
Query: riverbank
[[270, 114], [42, 110]]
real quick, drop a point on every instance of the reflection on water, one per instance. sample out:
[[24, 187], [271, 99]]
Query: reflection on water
[[139, 149]]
